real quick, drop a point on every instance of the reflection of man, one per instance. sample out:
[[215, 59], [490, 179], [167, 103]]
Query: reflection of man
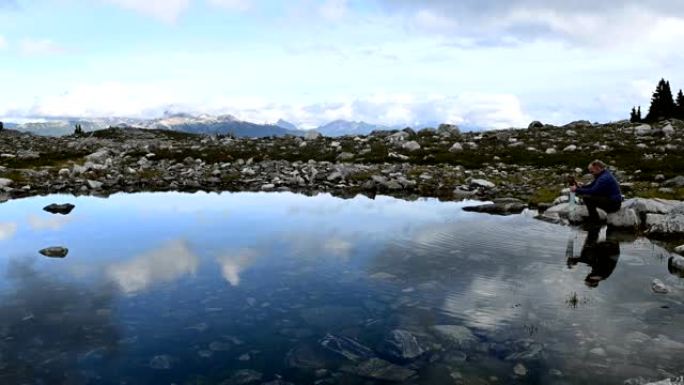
[[602, 257]]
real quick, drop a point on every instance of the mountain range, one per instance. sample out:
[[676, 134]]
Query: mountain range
[[196, 124]]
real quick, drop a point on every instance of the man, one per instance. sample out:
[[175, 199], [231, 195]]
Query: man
[[603, 192]]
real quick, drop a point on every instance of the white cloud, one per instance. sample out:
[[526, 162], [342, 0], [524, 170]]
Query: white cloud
[[233, 265], [164, 10], [105, 99], [53, 222], [237, 5], [334, 9], [29, 46], [7, 230], [165, 264], [3, 42]]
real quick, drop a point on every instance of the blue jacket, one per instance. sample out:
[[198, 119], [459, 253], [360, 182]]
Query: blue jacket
[[605, 185]]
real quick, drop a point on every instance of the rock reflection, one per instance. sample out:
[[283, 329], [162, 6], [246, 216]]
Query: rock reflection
[[602, 256], [50, 329], [233, 265], [164, 264]]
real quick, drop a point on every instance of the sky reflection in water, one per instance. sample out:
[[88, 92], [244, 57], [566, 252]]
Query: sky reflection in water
[[189, 288]]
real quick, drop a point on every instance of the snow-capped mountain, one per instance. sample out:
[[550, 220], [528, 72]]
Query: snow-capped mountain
[[344, 127]]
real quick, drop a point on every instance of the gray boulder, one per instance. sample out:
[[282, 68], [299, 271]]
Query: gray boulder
[[677, 181], [675, 265], [658, 287], [481, 183], [625, 217], [668, 224], [411, 146]]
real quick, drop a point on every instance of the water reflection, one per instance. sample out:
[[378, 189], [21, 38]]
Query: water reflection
[[232, 265], [257, 294], [601, 256], [7, 230], [167, 263], [49, 327]]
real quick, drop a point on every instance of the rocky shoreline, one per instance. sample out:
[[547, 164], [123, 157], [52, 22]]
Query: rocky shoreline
[[526, 167]]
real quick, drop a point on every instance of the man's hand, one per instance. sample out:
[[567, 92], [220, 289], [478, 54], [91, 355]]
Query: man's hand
[[573, 188]]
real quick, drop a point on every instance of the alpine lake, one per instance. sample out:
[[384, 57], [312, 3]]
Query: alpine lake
[[280, 288]]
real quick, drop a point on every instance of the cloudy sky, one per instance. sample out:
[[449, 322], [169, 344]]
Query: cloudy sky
[[487, 63]]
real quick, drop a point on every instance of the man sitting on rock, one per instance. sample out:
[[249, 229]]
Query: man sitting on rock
[[603, 192]]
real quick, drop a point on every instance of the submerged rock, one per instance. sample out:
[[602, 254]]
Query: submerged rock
[[456, 334], [63, 209], [378, 369], [659, 287], [55, 252], [675, 265], [347, 347], [243, 377], [161, 362], [400, 345]]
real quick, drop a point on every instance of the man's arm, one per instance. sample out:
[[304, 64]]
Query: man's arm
[[594, 187]]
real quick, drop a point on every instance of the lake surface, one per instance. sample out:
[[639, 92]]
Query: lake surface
[[252, 288]]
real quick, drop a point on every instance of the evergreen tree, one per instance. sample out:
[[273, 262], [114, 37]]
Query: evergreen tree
[[3, 126], [679, 108], [662, 103], [639, 115]]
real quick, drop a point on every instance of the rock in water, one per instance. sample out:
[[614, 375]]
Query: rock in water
[[676, 265], [346, 347], [243, 377], [520, 370], [55, 252], [161, 362], [401, 345], [459, 335], [659, 287], [381, 370], [63, 209], [504, 206]]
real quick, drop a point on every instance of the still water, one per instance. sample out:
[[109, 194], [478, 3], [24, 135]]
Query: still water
[[254, 288]]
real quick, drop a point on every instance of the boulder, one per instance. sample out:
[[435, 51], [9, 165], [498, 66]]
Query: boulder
[[625, 217], [669, 224], [677, 181], [4, 182], [679, 249], [100, 156], [63, 209], [448, 129], [55, 252], [573, 213], [668, 130], [535, 124], [481, 183], [345, 156], [550, 151], [411, 146], [457, 147], [570, 148], [94, 185], [675, 265], [643, 129]]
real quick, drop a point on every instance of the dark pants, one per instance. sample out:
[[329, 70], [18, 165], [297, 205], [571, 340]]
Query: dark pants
[[604, 203]]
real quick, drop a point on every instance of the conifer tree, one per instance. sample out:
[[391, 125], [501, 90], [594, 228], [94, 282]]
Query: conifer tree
[[679, 108], [662, 103], [639, 115], [632, 115], [1, 126]]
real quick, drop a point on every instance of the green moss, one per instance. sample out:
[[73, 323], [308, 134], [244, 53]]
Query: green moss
[[544, 195]]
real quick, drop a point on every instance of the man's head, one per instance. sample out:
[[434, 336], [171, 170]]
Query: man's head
[[596, 167]]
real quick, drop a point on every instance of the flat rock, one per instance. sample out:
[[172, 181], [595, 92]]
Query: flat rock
[[378, 369], [55, 252], [4, 182], [625, 217], [63, 209], [505, 206], [482, 183]]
